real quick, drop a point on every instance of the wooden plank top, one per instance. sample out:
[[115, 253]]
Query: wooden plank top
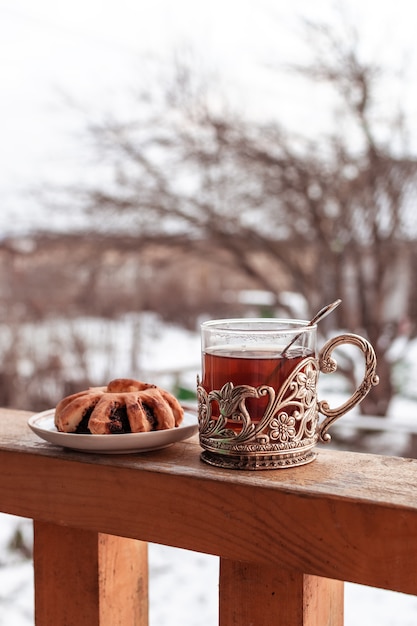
[[348, 516]]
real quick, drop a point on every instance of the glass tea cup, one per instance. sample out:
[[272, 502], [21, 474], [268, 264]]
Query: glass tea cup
[[257, 398]]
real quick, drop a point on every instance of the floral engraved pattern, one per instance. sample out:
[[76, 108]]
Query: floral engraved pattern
[[231, 399], [283, 427], [328, 365], [307, 383]]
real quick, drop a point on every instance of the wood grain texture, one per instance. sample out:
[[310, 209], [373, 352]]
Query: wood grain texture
[[88, 579], [345, 516], [263, 595]]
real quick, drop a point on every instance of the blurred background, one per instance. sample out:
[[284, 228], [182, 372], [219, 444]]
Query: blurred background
[[163, 163]]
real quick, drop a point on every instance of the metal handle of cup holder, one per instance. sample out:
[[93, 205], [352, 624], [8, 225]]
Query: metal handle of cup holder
[[328, 365]]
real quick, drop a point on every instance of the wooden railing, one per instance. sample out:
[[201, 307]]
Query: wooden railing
[[287, 539]]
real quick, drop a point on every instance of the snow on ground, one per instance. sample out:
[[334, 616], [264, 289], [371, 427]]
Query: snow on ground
[[183, 584], [135, 345]]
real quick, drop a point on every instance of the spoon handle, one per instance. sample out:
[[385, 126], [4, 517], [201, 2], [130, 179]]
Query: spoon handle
[[318, 316], [324, 312]]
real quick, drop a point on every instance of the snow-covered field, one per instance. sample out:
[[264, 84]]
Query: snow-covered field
[[183, 585]]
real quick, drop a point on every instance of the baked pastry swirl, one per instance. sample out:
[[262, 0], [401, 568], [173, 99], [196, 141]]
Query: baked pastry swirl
[[124, 406]]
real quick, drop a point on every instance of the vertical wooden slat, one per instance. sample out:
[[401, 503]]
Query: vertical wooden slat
[[255, 595], [123, 581], [323, 601], [89, 579]]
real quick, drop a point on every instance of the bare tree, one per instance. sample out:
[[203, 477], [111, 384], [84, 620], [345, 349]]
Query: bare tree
[[324, 217]]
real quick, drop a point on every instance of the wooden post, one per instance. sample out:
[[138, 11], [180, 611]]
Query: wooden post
[[89, 579], [256, 595]]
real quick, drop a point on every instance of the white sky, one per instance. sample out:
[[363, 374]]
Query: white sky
[[95, 51]]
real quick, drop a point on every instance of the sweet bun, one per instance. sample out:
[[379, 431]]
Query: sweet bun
[[123, 406]]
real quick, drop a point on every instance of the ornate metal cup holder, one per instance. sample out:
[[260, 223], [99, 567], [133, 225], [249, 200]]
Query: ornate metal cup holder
[[289, 428]]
